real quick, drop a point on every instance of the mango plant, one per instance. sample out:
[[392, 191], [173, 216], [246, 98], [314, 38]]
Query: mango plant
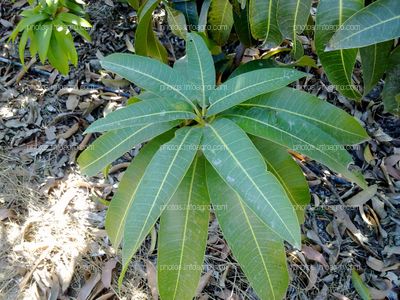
[[46, 29], [215, 148]]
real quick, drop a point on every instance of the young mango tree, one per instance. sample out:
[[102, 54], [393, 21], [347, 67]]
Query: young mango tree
[[215, 148]]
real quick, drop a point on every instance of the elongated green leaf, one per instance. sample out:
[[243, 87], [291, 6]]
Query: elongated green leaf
[[378, 22], [176, 21], [73, 19], [33, 45], [248, 85], [374, 60], [203, 16], [236, 159], [146, 42], [359, 285], [258, 250], [292, 16], [43, 35], [65, 40], [123, 198], [391, 90], [241, 22], [26, 22], [21, 47], [334, 121], [82, 32], [220, 17], [149, 74], [145, 112], [189, 10], [201, 69], [183, 236], [113, 144], [57, 56], [338, 65], [297, 134], [287, 171], [158, 184], [263, 21]]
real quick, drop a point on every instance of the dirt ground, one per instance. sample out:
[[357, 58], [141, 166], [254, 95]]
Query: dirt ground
[[52, 239]]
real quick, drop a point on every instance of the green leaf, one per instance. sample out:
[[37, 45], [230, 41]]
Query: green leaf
[[359, 285], [200, 66], [73, 19], [123, 198], [22, 45], [82, 32], [141, 113], [33, 45], [43, 36], [297, 134], [248, 85], [202, 24], [57, 56], [391, 90], [378, 22], [263, 21], [236, 159], [241, 22], [374, 60], [176, 21], [65, 40], [293, 16], [189, 10], [114, 144], [259, 252], [25, 23], [220, 17], [146, 42], [183, 235], [334, 121], [338, 65], [282, 165], [149, 74], [158, 184]]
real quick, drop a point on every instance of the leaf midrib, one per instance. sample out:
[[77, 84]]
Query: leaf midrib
[[252, 181], [119, 144], [258, 248], [159, 190], [155, 79], [241, 90], [286, 132], [368, 27], [300, 115], [190, 194], [99, 127]]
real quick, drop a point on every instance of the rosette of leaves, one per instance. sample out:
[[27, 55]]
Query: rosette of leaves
[[222, 147], [46, 29]]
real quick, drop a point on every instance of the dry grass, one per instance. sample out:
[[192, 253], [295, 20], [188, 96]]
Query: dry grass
[[53, 242]]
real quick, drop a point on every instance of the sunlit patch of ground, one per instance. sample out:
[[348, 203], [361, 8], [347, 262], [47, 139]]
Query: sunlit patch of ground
[[51, 242]]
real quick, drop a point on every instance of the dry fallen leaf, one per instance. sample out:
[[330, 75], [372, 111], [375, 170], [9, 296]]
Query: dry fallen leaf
[[362, 197], [314, 255], [152, 279], [89, 285], [106, 272]]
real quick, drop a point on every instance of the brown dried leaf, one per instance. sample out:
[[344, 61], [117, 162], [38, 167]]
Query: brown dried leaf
[[106, 272], [152, 279], [84, 293], [362, 197], [314, 255]]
